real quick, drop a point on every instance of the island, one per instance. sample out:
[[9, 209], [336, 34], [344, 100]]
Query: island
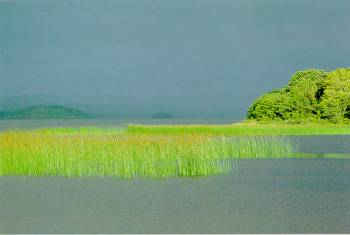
[[314, 102], [44, 112]]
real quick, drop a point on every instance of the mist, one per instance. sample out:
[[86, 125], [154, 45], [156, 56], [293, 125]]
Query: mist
[[190, 58]]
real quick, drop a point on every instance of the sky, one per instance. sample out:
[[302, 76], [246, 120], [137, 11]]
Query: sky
[[190, 58]]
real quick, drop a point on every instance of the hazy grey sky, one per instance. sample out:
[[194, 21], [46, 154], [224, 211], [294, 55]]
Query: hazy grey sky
[[187, 57]]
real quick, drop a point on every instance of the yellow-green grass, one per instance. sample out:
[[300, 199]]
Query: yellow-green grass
[[96, 131], [112, 152], [322, 155], [243, 129]]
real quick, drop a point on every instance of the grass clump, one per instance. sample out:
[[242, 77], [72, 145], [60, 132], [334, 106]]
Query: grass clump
[[89, 152]]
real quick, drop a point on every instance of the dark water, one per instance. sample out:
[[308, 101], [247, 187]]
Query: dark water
[[260, 196], [321, 144]]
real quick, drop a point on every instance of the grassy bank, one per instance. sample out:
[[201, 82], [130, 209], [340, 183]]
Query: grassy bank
[[244, 129], [112, 152]]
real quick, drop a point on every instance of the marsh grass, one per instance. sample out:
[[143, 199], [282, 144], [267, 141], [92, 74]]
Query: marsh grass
[[88, 152], [244, 129], [322, 155]]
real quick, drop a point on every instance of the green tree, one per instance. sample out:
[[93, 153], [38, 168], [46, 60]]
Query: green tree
[[335, 103], [310, 94]]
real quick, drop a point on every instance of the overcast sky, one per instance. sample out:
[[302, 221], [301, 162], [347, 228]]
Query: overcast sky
[[186, 57]]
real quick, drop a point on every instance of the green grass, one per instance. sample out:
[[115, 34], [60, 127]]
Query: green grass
[[88, 152], [322, 155], [148, 151], [244, 129]]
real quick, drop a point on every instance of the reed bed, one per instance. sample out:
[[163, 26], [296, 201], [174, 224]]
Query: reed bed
[[111, 152], [244, 129]]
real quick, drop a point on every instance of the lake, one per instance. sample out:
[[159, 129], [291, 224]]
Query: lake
[[258, 196], [43, 123], [265, 196]]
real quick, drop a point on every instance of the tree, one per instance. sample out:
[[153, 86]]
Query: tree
[[335, 103], [310, 94]]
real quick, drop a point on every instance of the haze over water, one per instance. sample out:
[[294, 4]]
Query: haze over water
[[197, 58]]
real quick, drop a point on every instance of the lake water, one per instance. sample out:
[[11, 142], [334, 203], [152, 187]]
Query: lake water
[[259, 196], [42, 123], [265, 196]]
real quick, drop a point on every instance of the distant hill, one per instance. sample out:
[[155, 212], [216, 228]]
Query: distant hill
[[162, 115], [44, 112]]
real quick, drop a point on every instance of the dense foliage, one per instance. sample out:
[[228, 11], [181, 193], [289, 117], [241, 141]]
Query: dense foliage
[[44, 112], [310, 95]]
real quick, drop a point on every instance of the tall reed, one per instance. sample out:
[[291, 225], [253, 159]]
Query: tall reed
[[92, 153]]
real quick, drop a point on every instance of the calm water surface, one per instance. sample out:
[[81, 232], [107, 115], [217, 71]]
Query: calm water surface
[[35, 123], [265, 196], [259, 196]]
